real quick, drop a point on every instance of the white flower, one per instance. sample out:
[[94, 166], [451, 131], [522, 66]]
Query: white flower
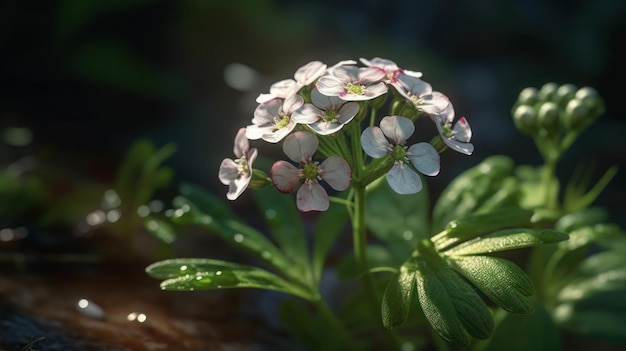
[[389, 140], [326, 114], [272, 120], [237, 173], [392, 71], [304, 76], [457, 137], [352, 83], [420, 94], [300, 147]]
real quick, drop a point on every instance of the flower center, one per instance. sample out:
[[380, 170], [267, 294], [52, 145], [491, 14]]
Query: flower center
[[447, 131], [355, 89], [399, 153], [242, 166], [310, 171], [330, 116], [281, 121], [415, 99]]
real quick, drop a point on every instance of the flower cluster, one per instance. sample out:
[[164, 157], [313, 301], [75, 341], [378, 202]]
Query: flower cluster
[[322, 113]]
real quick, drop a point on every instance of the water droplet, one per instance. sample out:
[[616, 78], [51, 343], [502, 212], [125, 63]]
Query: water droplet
[[238, 237], [270, 213], [89, 309], [183, 267], [218, 273], [179, 213], [407, 235]]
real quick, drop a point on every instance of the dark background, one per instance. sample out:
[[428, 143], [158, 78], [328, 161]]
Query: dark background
[[90, 77]]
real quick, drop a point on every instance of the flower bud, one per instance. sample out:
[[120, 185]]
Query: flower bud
[[576, 115], [525, 119], [564, 94], [547, 92], [592, 100], [548, 118], [259, 179], [528, 96]]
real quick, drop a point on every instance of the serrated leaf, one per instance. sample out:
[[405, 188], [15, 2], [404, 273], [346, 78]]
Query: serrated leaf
[[397, 298], [188, 274], [502, 281], [535, 331], [160, 229], [507, 239]]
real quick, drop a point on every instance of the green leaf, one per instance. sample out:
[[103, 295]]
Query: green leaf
[[612, 279], [533, 186], [160, 229], [604, 322], [474, 225], [535, 331], [398, 220], [507, 239], [328, 226], [575, 199], [583, 218], [188, 274], [502, 281], [397, 297], [285, 223], [476, 187]]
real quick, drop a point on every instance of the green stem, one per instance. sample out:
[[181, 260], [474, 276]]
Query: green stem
[[548, 174], [360, 254], [346, 340]]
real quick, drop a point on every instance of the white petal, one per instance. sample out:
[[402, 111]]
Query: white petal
[[237, 187], [242, 145], [347, 112], [312, 197], [274, 135], [308, 73], [425, 158], [438, 103], [254, 132], [229, 171], [284, 176], [464, 148], [325, 128], [307, 114], [374, 142], [330, 86], [462, 131], [325, 102], [403, 180], [397, 128], [300, 146], [336, 172], [370, 75]]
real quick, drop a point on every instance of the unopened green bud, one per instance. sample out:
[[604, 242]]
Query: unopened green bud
[[592, 99], [548, 118], [528, 96], [564, 94], [547, 92], [576, 115], [525, 119], [259, 179]]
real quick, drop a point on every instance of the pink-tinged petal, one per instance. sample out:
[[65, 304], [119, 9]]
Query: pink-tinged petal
[[229, 171], [397, 128], [403, 180], [346, 74], [308, 73], [292, 103], [300, 146], [464, 148], [375, 90], [410, 85], [285, 176], [263, 98], [462, 131], [325, 128], [254, 132], [424, 158], [312, 197], [265, 112], [330, 86], [386, 65], [242, 145], [279, 90], [370, 75], [437, 103], [414, 74], [336, 172], [251, 156], [374, 142], [307, 114]]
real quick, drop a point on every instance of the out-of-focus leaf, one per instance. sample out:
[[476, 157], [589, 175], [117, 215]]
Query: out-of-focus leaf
[[535, 331], [397, 297], [507, 239], [611, 279], [328, 226], [188, 274], [160, 229], [586, 217], [399, 220], [533, 186], [576, 199], [285, 224]]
